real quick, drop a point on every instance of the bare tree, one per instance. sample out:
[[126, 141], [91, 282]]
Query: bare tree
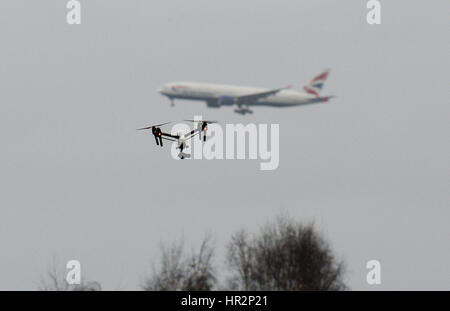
[[177, 271], [285, 256]]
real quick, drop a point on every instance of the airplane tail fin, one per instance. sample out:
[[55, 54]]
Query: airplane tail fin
[[316, 84]]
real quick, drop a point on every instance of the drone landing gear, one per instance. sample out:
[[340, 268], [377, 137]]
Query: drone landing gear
[[158, 139]]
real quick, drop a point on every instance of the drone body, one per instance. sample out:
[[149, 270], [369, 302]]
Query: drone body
[[180, 138]]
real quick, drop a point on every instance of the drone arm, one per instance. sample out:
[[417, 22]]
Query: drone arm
[[192, 133], [170, 139], [170, 135]]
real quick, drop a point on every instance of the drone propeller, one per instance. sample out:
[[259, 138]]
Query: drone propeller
[[201, 121], [156, 131], [152, 126]]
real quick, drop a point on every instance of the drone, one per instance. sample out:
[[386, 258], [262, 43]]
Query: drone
[[180, 138]]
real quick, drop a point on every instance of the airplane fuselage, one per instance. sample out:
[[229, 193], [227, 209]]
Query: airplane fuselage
[[216, 95]]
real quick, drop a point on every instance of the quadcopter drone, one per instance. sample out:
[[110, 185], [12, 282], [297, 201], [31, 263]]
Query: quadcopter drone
[[180, 138]]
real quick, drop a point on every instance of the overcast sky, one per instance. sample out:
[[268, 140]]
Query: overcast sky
[[370, 168]]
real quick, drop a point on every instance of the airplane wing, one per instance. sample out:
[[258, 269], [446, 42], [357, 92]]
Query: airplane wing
[[256, 96]]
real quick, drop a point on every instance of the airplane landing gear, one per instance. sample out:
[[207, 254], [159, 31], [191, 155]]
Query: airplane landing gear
[[243, 109]]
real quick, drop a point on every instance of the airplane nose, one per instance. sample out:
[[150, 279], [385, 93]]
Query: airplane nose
[[161, 90]]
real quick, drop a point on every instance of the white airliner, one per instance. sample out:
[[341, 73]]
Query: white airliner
[[217, 95]]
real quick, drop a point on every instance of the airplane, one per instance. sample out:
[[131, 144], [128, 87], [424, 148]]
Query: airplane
[[180, 138], [217, 95]]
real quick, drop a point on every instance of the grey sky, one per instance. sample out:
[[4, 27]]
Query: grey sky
[[371, 167]]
